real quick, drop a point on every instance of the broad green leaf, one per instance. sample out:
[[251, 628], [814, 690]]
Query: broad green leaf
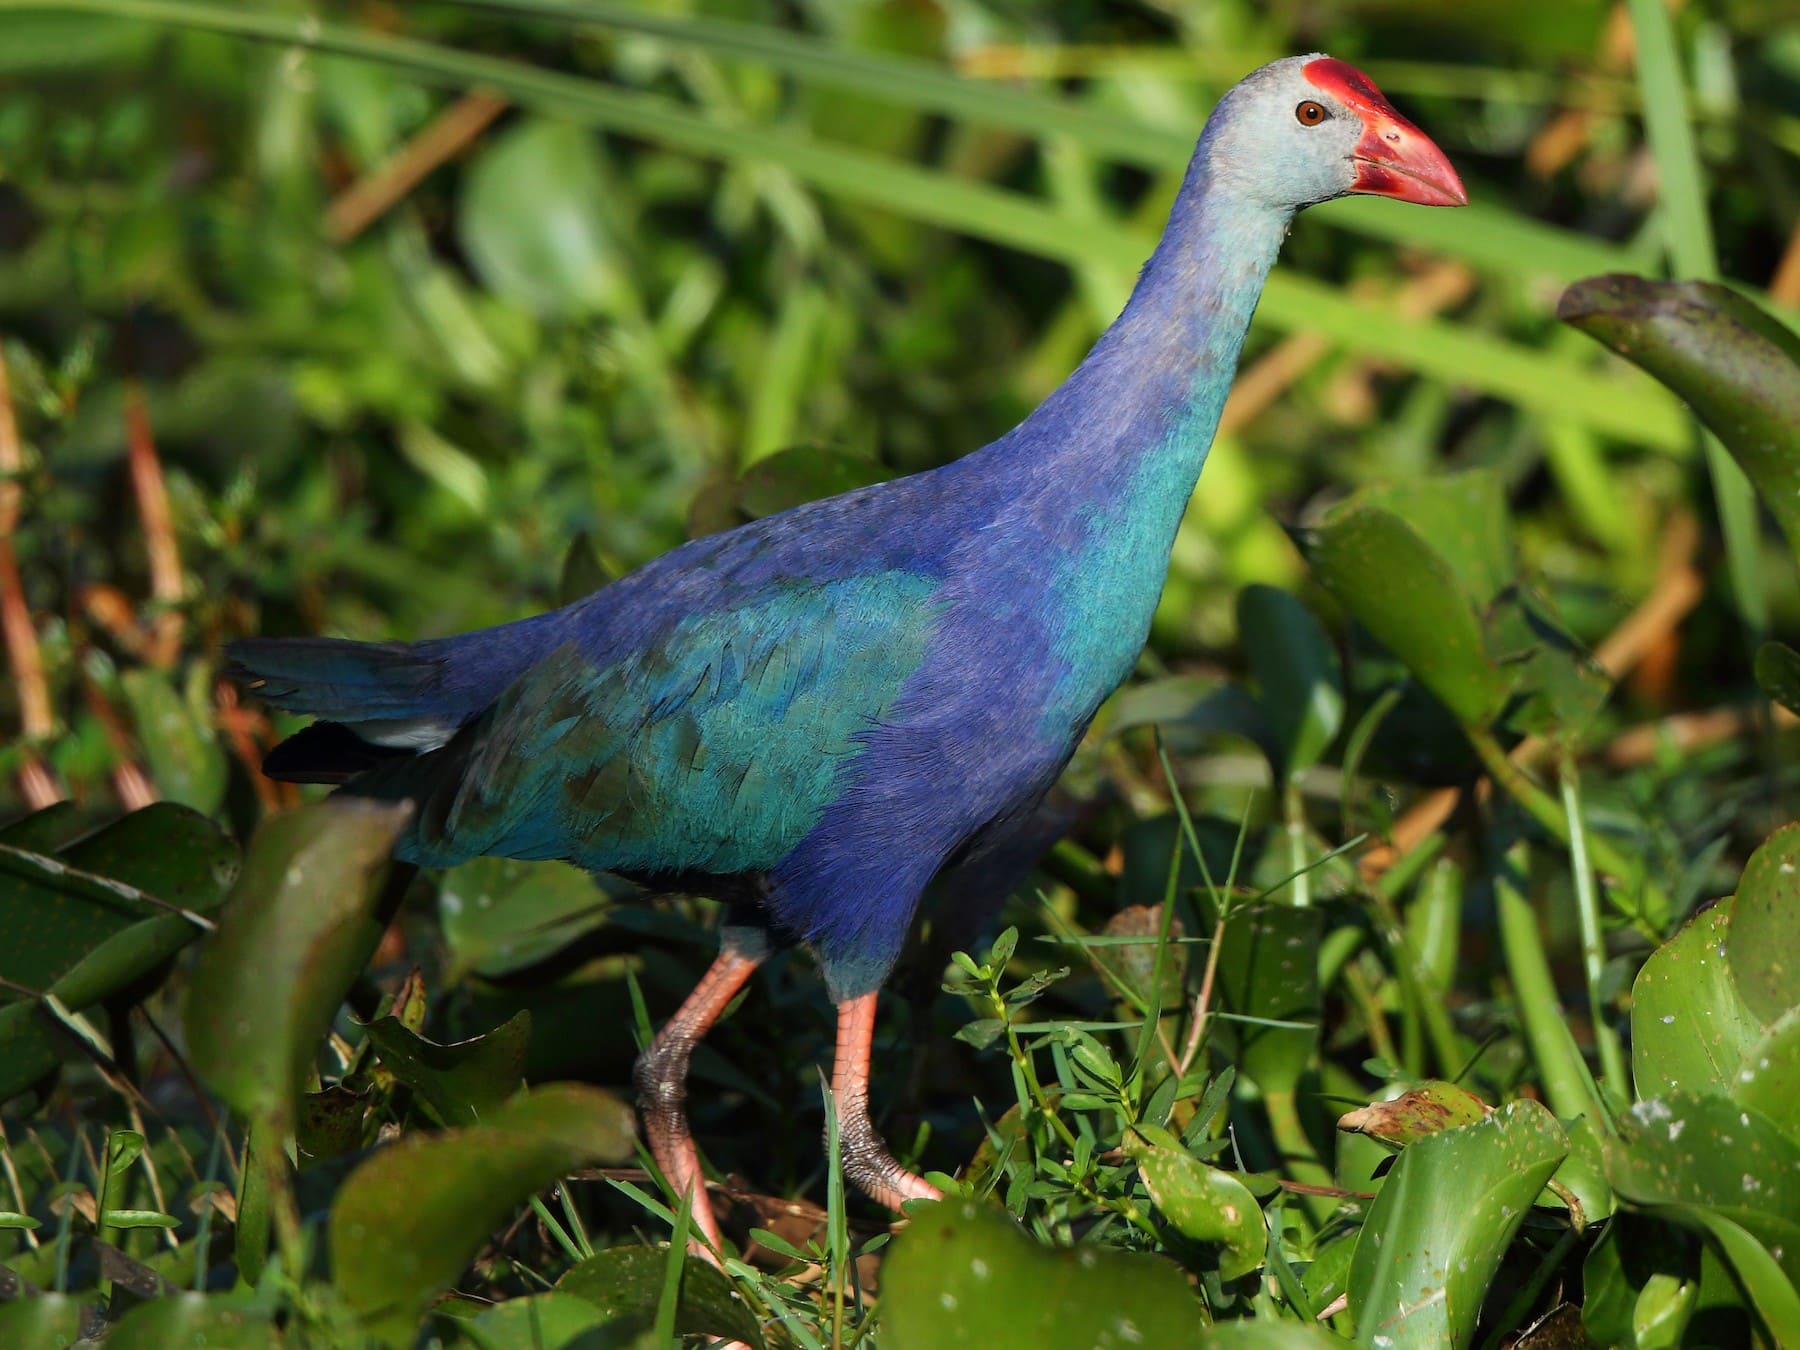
[[501, 915], [1769, 1080], [1462, 519], [185, 760], [1737, 368], [1269, 971], [554, 258], [1583, 1174], [84, 923], [1689, 1028], [329, 1123], [1396, 585], [298, 927], [963, 1276], [538, 1321], [408, 1220], [1416, 1113], [1200, 1202], [1296, 669], [1442, 1221], [1778, 672], [43, 1322], [1769, 1284], [1680, 1154], [44, 831], [193, 1320], [784, 479], [1764, 945], [464, 1081], [626, 1283]]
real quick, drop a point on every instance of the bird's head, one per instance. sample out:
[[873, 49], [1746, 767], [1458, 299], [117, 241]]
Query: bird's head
[[1310, 128]]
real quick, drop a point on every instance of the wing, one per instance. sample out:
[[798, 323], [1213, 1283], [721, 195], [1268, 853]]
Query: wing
[[713, 748]]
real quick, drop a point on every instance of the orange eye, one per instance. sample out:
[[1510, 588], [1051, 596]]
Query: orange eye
[[1310, 114]]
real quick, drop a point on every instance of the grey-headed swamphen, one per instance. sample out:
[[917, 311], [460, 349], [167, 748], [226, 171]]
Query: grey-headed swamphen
[[811, 716]]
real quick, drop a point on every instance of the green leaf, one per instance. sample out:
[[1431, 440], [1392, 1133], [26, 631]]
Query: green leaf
[[1200, 1202], [408, 1220], [42, 1322], [1689, 1028], [1737, 368], [1296, 669], [44, 831], [625, 1283], [1680, 1152], [539, 1321], [1269, 970], [501, 915], [1769, 1080], [1462, 519], [555, 258], [1441, 1223], [1416, 1114], [186, 762], [298, 927], [193, 1320], [1764, 946], [1778, 673], [1771, 1288], [963, 1275], [83, 924], [1414, 603], [778, 481], [464, 1081], [330, 1122]]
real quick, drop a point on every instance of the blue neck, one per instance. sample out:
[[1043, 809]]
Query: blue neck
[[1141, 410]]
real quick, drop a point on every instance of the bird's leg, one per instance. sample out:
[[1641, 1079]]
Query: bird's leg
[[661, 1077], [867, 1161]]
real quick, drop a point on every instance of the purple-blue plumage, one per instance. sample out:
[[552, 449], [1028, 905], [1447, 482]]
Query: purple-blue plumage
[[813, 715]]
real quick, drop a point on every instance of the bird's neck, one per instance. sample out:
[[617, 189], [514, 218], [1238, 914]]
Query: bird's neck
[[1136, 418]]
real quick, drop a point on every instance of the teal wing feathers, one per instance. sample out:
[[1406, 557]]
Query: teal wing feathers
[[714, 749]]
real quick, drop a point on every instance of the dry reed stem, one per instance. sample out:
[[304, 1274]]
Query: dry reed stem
[[152, 493], [36, 718], [370, 197]]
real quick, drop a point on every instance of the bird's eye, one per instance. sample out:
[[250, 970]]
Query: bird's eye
[[1310, 114]]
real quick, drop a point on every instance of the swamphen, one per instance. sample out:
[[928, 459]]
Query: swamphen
[[811, 716]]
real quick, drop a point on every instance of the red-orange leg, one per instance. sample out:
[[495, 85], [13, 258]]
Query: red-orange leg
[[661, 1077], [867, 1161]]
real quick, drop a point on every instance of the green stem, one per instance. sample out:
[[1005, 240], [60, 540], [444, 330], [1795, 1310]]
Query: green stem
[[1568, 1086], [1682, 205], [1548, 812], [1593, 951]]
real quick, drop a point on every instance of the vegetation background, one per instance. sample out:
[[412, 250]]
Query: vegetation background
[[390, 320]]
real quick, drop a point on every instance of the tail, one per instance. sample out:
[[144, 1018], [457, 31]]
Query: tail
[[377, 701]]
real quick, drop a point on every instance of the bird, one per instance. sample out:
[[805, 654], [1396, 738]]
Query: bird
[[812, 716]]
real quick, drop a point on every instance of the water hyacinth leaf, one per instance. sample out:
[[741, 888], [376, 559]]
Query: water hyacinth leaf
[[1770, 1286], [964, 1277], [330, 1122], [550, 1321], [1442, 1221], [1462, 519], [501, 915], [1707, 1152], [45, 1321], [1769, 1080], [1190, 708], [1200, 1202], [1764, 945], [626, 1283], [555, 259], [461, 1082], [1778, 674], [1269, 972], [185, 760], [1397, 587], [1296, 669], [80, 926], [410, 1218], [193, 1319], [1735, 366], [1416, 1113], [1689, 1028], [44, 831], [299, 925]]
